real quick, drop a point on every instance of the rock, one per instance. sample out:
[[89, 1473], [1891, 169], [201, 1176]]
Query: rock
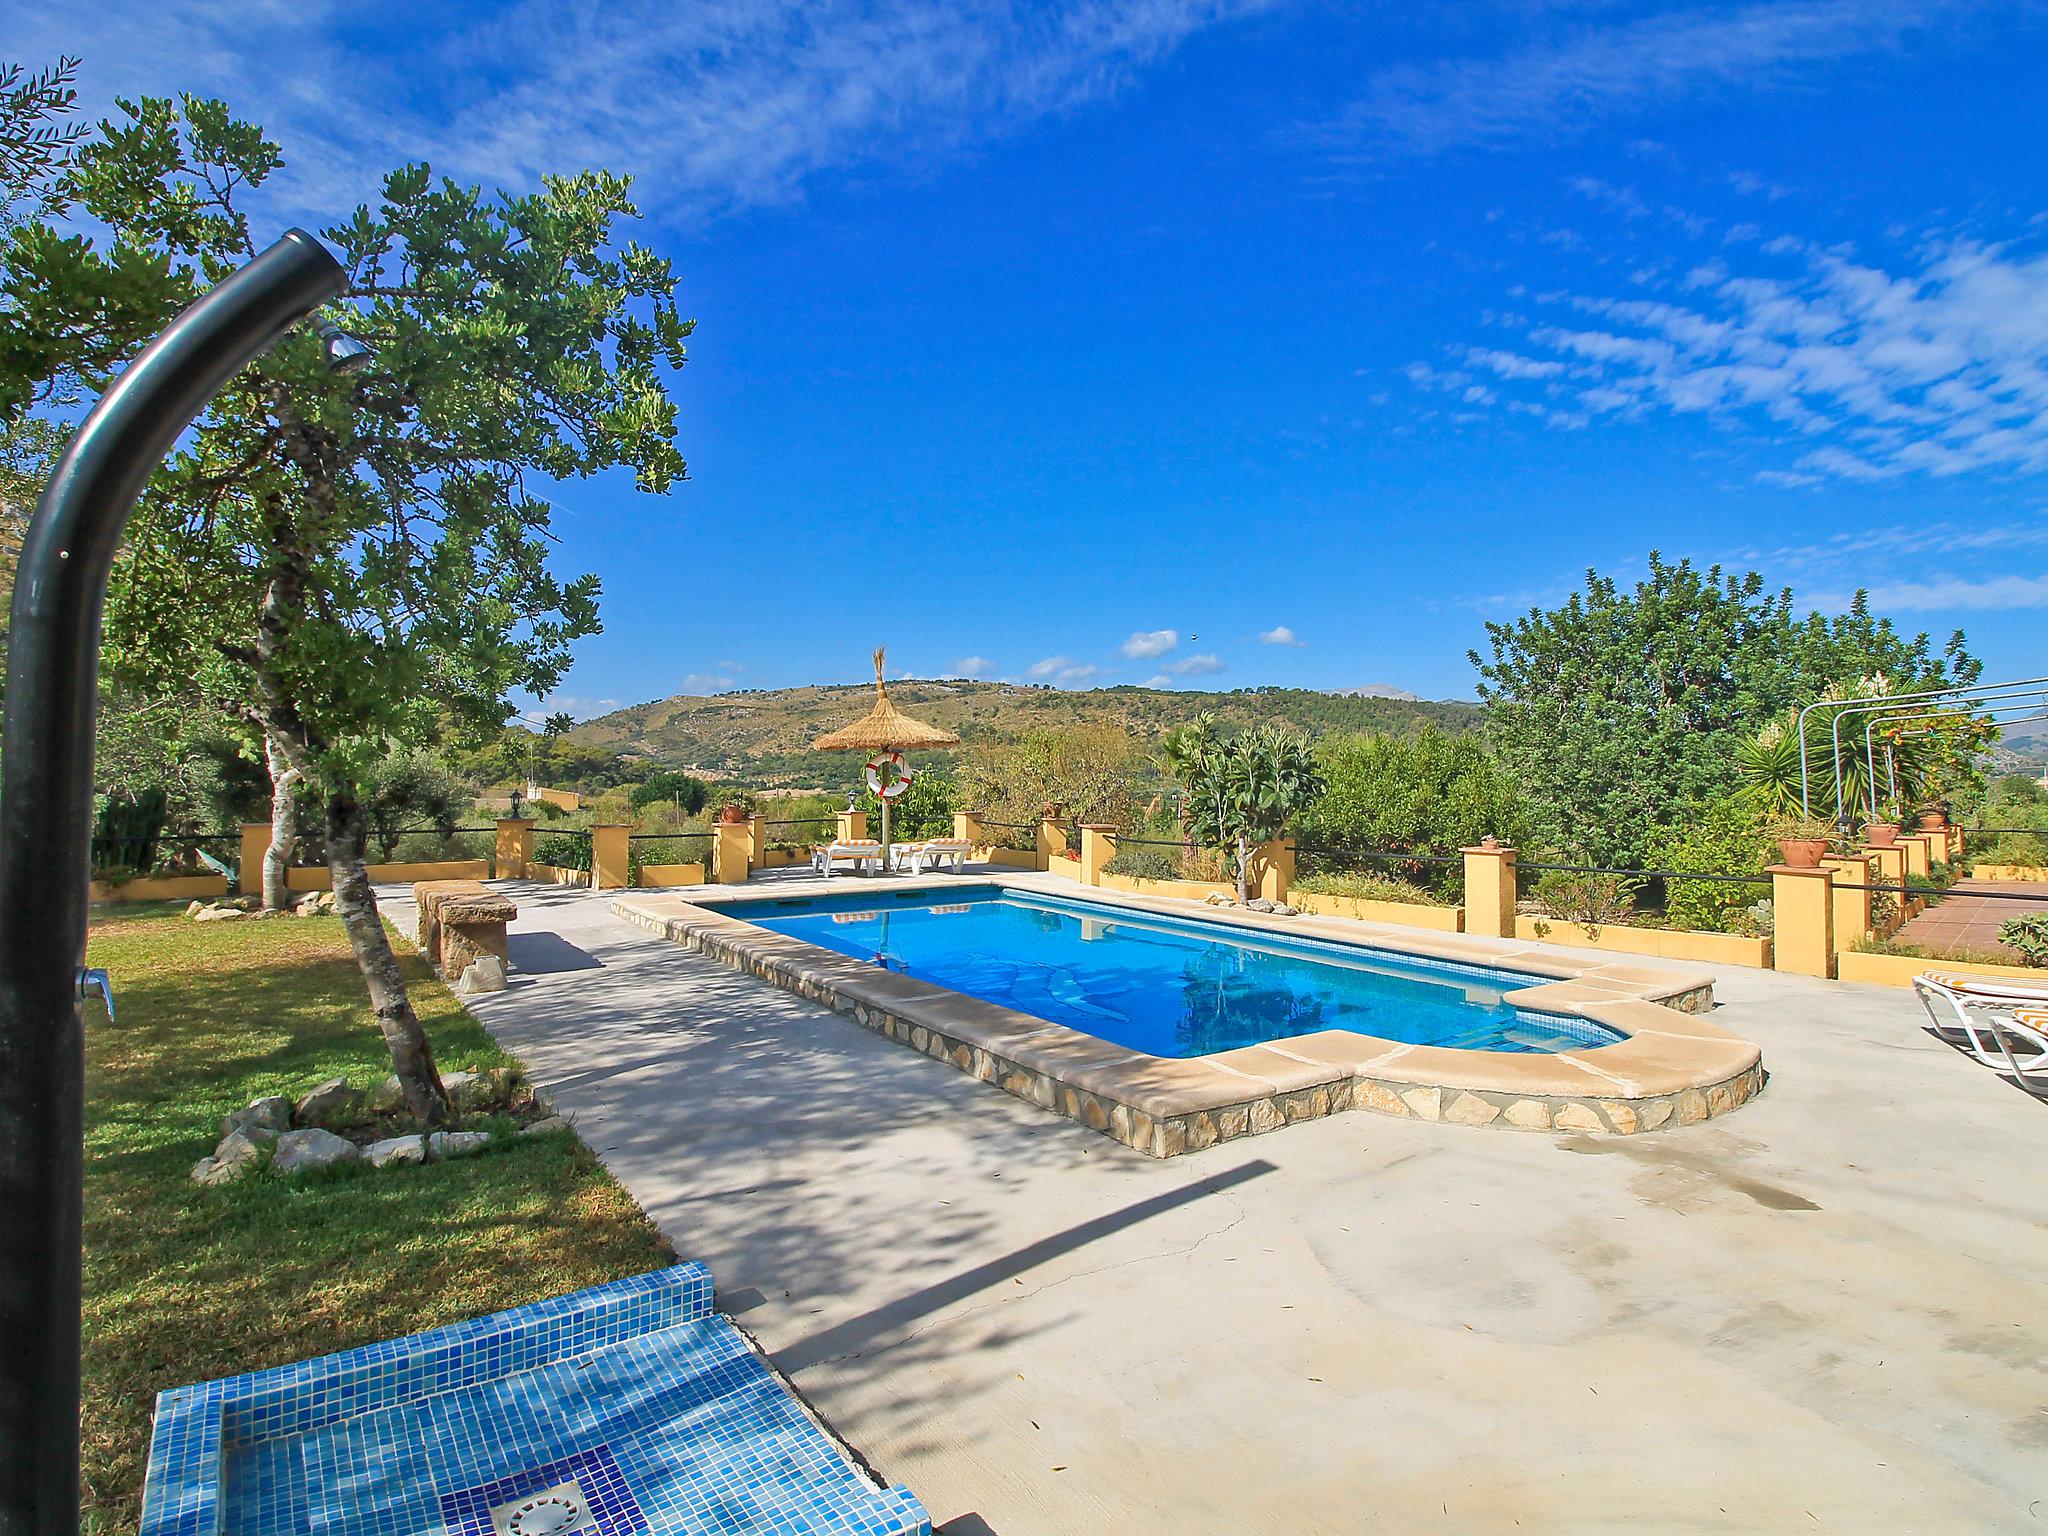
[[266, 913], [1218, 899], [1258, 904], [463, 1091], [318, 904], [203, 1172], [1470, 1109], [217, 914], [310, 1150], [1529, 1114], [333, 1102], [446, 1144], [481, 1090], [485, 974], [273, 1114], [1423, 1103], [1282, 909], [239, 1154], [546, 1127], [1578, 1117], [396, 1149], [387, 1096], [194, 908]]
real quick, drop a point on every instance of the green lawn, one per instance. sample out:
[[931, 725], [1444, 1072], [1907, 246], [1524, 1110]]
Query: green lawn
[[184, 1283]]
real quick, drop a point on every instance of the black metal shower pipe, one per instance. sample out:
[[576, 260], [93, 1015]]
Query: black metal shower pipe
[[45, 840]]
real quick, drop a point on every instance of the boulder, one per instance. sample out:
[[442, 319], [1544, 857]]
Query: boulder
[[546, 1127], [216, 914], [486, 973], [310, 1150], [239, 1154], [1282, 909], [1258, 904], [446, 1144], [194, 908], [333, 1102], [463, 1091], [272, 1113], [396, 1149], [318, 904]]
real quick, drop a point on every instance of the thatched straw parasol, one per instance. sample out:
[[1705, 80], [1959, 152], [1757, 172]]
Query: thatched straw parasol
[[885, 728]]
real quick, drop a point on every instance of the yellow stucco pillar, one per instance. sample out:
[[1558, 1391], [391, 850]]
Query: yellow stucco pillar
[[967, 827], [1955, 845], [1917, 861], [515, 849], [1803, 920], [1490, 890], [1852, 897], [1052, 840], [1098, 847], [732, 851], [852, 827], [757, 841], [1888, 868], [1274, 867], [610, 858], [249, 871]]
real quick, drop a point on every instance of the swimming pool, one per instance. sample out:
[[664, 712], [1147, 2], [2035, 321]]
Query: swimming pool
[[1167, 986]]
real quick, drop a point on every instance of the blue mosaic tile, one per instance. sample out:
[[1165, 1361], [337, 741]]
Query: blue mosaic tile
[[637, 1391]]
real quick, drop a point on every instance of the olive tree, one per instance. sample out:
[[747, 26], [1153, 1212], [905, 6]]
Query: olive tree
[[357, 564]]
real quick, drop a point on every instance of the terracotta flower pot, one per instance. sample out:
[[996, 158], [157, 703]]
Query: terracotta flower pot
[[1803, 852], [1933, 821], [732, 815], [1882, 834]]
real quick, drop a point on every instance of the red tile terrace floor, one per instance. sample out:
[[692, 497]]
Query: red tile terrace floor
[[1963, 923]]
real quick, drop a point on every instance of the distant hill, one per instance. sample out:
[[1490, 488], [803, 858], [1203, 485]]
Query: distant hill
[[765, 735]]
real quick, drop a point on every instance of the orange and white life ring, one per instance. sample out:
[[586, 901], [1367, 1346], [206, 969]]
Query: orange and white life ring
[[888, 775]]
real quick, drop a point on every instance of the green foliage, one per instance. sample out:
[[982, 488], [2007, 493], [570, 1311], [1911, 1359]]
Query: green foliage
[[408, 792], [1366, 887], [126, 828], [1426, 793], [685, 793], [2028, 934], [1722, 837], [1621, 705], [924, 810], [561, 851], [1091, 772], [1592, 901]]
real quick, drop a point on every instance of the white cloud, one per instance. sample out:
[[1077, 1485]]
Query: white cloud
[[1279, 634], [1946, 594], [972, 666], [1159, 680], [1062, 671], [705, 682], [713, 104], [1144, 644], [1934, 363], [1567, 82], [1204, 665], [577, 709]]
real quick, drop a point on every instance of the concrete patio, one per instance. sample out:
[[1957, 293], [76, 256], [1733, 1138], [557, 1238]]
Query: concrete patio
[[1823, 1312]]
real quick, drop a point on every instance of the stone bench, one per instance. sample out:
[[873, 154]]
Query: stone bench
[[462, 922]]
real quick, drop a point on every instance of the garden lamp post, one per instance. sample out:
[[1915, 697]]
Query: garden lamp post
[[46, 835]]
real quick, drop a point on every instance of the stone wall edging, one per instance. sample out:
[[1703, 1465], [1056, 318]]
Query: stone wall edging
[[1171, 1135]]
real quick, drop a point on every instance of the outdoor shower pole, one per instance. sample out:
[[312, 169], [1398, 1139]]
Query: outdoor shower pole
[[45, 845]]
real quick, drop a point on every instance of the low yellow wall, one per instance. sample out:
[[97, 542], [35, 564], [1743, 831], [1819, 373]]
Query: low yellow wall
[[314, 877], [567, 799], [1192, 890], [1899, 970], [1014, 858], [556, 875], [163, 888], [1060, 864], [782, 858], [662, 876], [2028, 872], [1659, 943], [1412, 914]]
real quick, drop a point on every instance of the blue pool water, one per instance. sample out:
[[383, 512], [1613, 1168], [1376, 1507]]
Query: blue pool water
[[1162, 985]]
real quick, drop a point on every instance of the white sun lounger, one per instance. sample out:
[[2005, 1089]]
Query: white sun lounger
[[2003, 1024], [919, 857], [865, 854]]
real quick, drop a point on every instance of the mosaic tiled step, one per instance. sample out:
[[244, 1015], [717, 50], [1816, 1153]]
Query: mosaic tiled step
[[631, 1407]]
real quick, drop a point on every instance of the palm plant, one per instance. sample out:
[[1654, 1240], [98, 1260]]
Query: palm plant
[[1244, 791]]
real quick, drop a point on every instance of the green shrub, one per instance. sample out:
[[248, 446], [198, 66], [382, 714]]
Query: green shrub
[[2028, 934], [1722, 837], [1592, 901], [1367, 887]]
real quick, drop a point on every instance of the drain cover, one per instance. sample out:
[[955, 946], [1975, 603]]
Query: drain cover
[[557, 1511]]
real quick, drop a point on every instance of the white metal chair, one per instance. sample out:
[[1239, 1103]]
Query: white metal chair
[[2004, 1026], [934, 852], [863, 853]]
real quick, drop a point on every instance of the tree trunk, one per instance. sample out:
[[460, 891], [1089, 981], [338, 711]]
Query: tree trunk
[[412, 1058], [284, 824]]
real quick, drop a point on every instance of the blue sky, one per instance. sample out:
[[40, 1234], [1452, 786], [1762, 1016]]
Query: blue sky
[[1239, 343]]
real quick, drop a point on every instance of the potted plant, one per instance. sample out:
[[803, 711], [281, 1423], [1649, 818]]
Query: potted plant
[[1802, 840], [1881, 834], [733, 812], [1933, 819]]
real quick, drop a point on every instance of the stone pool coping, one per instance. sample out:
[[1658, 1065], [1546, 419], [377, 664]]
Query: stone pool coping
[[1673, 1068]]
